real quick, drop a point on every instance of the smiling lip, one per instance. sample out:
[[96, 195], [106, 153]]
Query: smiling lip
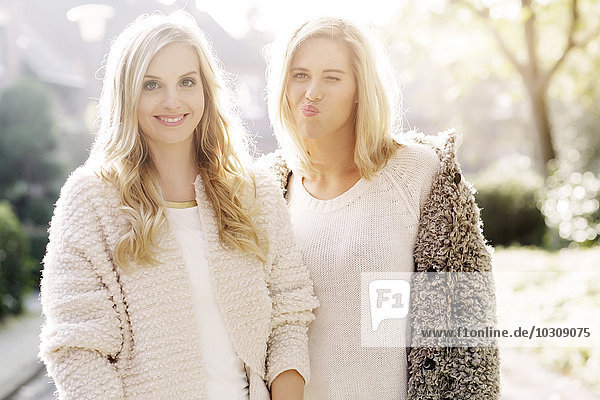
[[309, 110], [171, 120]]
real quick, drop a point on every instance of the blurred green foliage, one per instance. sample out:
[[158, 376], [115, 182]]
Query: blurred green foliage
[[30, 172], [507, 195], [456, 75], [28, 168], [15, 263], [38, 239]]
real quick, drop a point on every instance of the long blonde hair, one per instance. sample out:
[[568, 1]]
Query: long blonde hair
[[377, 112], [121, 156]]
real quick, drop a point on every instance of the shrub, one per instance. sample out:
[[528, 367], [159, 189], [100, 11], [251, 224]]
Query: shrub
[[507, 194], [38, 239], [14, 261]]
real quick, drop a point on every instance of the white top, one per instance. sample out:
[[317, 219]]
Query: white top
[[371, 228], [225, 373]]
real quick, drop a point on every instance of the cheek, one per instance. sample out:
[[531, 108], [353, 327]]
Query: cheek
[[196, 101], [292, 92], [143, 108], [350, 99], [144, 114]]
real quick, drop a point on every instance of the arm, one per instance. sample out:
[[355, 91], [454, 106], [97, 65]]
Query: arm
[[81, 336], [292, 298]]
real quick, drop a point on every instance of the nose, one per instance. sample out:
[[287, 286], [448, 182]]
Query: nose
[[171, 99], [314, 92]]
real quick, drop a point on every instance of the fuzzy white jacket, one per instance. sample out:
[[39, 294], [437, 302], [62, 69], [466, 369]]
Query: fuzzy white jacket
[[112, 335]]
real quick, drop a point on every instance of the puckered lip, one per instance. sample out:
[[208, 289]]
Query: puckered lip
[[310, 108]]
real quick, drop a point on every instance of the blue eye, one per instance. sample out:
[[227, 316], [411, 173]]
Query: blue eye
[[187, 82], [150, 85], [300, 75]]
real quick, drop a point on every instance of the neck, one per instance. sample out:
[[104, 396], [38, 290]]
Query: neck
[[177, 172], [332, 158], [336, 171]]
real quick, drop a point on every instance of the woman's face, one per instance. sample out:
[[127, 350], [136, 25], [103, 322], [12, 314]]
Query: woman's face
[[321, 90], [172, 100]]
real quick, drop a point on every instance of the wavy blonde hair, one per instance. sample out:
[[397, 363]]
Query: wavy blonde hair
[[121, 155], [377, 112]]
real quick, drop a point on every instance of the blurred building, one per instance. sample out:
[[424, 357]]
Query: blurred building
[[38, 41]]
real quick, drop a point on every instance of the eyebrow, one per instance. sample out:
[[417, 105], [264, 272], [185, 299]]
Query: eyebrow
[[339, 71], [186, 74]]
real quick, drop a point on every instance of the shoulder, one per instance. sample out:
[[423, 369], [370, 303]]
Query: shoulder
[[414, 165], [80, 201], [416, 157], [82, 185], [268, 188], [270, 210], [443, 144], [275, 165]]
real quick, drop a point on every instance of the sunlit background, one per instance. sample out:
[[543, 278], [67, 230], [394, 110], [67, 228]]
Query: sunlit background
[[519, 79]]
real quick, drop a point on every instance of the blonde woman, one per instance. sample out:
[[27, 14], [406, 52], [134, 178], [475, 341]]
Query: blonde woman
[[171, 271], [366, 204]]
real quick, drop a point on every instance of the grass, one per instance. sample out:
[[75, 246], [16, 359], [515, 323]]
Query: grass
[[559, 288]]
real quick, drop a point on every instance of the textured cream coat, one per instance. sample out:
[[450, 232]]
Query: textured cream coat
[[113, 335]]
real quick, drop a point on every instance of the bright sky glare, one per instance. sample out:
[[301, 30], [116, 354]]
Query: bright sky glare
[[235, 16]]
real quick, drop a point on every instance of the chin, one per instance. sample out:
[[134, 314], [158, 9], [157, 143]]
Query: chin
[[309, 132], [310, 135]]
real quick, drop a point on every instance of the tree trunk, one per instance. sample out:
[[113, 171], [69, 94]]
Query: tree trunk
[[543, 127]]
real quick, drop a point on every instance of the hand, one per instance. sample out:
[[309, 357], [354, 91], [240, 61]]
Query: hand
[[289, 385]]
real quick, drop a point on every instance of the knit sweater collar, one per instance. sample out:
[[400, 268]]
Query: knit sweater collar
[[444, 144]]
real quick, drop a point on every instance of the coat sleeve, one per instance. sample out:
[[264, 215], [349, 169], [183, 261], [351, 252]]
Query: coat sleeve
[[450, 242], [291, 292], [81, 336]]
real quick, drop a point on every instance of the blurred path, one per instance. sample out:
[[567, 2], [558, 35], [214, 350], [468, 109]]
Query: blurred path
[[19, 340], [39, 388], [524, 378], [23, 377]]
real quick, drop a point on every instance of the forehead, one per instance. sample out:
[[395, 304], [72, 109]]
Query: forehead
[[322, 52], [174, 59]]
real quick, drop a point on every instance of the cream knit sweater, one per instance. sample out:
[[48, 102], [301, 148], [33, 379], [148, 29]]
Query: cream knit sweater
[[371, 228], [113, 335], [449, 239]]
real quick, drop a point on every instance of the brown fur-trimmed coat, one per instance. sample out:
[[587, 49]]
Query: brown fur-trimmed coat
[[450, 239]]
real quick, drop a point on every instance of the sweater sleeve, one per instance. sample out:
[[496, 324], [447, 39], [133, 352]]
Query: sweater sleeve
[[81, 337], [291, 294]]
